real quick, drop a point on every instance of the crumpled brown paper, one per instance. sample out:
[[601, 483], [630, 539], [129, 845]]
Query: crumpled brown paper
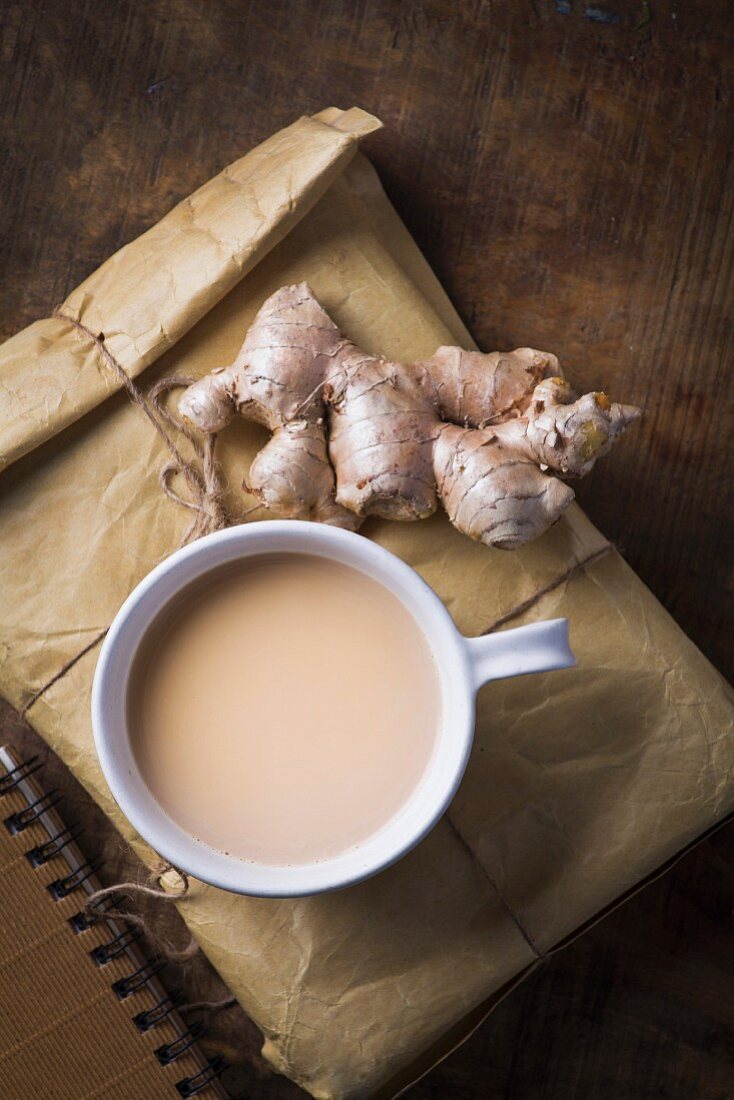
[[581, 783]]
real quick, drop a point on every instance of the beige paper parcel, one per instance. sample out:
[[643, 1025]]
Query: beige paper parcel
[[581, 783]]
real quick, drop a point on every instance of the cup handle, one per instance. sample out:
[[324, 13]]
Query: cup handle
[[538, 647]]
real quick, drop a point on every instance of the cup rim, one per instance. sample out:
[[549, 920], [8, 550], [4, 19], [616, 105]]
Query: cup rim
[[403, 831]]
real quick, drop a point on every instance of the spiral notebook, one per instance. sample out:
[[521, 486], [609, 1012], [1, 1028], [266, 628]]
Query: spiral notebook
[[83, 1013]]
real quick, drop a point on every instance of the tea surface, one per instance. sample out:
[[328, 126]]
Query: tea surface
[[284, 710]]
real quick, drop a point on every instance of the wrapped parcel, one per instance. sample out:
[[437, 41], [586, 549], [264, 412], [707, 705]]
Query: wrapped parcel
[[581, 783]]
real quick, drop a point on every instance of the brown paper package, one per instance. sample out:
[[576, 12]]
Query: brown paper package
[[581, 783]]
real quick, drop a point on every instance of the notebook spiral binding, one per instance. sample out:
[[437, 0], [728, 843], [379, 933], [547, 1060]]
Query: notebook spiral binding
[[123, 940], [42, 853], [144, 1021]]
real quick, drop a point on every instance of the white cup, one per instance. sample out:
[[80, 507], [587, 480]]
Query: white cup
[[464, 664]]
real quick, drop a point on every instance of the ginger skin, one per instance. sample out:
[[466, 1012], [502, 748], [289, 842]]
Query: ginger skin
[[356, 435]]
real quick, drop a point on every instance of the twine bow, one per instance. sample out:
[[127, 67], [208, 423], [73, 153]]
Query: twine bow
[[204, 481]]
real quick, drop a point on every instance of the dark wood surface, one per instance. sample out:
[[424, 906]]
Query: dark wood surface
[[567, 169]]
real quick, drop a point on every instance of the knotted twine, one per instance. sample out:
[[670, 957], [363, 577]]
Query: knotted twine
[[207, 489], [95, 913], [205, 483]]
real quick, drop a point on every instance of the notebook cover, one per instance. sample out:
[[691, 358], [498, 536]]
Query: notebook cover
[[64, 1032]]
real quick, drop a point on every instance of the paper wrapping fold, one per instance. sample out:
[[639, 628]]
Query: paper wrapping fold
[[581, 782], [180, 268]]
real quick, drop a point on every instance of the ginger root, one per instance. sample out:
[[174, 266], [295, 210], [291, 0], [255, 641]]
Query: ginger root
[[356, 435]]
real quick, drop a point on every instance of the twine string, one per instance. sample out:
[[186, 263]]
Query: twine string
[[208, 1006], [205, 485], [209, 498], [526, 605], [141, 889]]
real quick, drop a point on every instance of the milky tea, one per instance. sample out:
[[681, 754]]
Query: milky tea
[[284, 708]]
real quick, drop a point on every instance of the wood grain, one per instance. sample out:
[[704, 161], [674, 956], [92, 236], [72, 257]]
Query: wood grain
[[567, 168]]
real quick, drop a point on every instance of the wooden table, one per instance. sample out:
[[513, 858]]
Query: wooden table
[[567, 168]]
